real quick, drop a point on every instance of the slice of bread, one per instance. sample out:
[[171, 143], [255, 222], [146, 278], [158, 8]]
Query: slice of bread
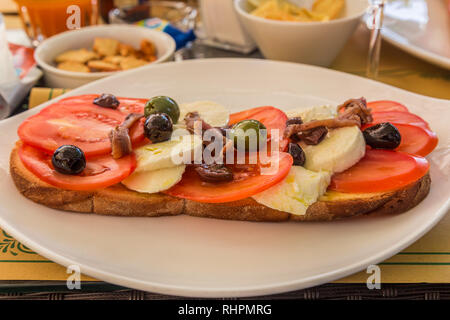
[[118, 200]]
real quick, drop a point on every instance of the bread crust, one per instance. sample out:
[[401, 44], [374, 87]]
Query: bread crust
[[116, 200], [120, 201]]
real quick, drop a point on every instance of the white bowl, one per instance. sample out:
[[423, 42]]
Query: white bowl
[[84, 38], [315, 43]]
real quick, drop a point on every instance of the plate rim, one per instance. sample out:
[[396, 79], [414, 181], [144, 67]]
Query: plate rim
[[244, 291], [416, 51]]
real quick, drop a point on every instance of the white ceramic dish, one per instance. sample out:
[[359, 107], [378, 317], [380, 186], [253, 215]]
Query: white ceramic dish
[[84, 38], [421, 28], [202, 257], [315, 43]]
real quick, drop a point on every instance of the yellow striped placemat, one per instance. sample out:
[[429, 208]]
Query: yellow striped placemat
[[41, 95]]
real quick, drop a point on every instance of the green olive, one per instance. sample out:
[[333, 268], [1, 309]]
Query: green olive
[[248, 129], [163, 104]]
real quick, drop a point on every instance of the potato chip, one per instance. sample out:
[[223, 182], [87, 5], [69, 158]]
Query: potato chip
[[323, 10], [330, 8]]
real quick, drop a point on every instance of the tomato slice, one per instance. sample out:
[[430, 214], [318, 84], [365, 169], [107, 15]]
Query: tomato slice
[[416, 140], [77, 122], [100, 172], [398, 117], [386, 106], [379, 171], [127, 105], [131, 105], [273, 118], [193, 188]]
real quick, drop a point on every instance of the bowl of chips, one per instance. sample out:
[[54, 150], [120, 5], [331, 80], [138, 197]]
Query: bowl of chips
[[304, 31], [73, 58]]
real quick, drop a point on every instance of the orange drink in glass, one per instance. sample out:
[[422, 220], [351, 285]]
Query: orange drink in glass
[[44, 18]]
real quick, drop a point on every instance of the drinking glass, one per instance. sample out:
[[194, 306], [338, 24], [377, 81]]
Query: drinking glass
[[374, 23], [43, 18]]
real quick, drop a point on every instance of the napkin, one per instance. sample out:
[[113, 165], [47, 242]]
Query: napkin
[[9, 80], [18, 73]]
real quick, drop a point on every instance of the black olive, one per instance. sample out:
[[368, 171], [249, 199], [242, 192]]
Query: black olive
[[214, 172], [69, 159], [297, 153], [295, 120], [107, 100], [163, 104], [158, 127], [382, 136]]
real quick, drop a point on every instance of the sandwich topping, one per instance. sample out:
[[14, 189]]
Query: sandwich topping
[[356, 110], [201, 152], [120, 138], [382, 136], [69, 159], [214, 172], [158, 127], [107, 100], [353, 112], [297, 154], [196, 125]]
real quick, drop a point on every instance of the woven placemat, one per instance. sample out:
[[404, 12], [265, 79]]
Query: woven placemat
[[324, 292]]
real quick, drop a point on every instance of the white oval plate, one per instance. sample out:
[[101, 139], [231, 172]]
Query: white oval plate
[[421, 28], [201, 257]]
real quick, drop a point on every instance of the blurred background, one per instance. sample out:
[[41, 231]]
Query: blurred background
[[404, 43]]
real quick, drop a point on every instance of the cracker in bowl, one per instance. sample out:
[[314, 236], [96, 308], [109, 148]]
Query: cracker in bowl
[[108, 55], [73, 66], [131, 63], [81, 56], [106, 47], [102, 66]]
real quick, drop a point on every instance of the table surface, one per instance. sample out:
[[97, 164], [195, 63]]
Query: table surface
[[398, 69]]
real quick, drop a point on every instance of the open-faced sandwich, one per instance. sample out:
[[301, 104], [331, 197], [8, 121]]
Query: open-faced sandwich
[[132, 157]]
